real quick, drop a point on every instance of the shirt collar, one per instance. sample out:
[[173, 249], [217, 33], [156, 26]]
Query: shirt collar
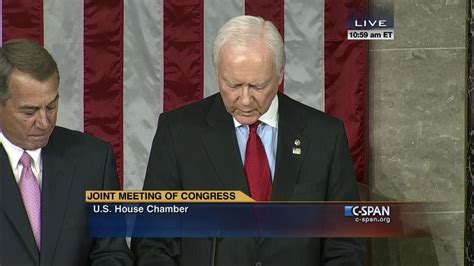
[[270, 117], [14, 152]]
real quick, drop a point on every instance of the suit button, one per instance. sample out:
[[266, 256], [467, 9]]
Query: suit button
[[258, 263]]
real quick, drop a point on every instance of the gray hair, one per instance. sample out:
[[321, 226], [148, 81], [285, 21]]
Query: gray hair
[[243, 31], [25, 56]]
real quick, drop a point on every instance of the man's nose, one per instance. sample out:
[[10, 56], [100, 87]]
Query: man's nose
[[42, 121], [246, 97]]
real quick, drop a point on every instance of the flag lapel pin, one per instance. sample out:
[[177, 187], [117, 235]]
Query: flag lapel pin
[[297, 149]]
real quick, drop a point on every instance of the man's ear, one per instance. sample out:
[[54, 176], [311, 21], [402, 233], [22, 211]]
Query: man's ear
[[281, 76]]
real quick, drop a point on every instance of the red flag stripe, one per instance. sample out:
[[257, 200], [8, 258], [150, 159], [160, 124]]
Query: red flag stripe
[[103, 73], [183, 52], [22, 19], [345, 64], [272, 10]]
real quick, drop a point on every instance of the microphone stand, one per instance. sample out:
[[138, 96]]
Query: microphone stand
[[214, 251]]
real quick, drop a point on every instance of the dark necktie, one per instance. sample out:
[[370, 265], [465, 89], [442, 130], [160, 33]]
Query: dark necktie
[[256, 167]]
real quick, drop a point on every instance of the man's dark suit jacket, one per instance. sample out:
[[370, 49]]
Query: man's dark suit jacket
[[195, 147], [72, 163]]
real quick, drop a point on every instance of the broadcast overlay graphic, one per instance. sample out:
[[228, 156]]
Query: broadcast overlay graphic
[[379, 25], [234, 214]]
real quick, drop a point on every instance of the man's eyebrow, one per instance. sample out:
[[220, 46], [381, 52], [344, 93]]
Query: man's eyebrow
[[54, 100], [261, 84], [32, 107], [29, 107]]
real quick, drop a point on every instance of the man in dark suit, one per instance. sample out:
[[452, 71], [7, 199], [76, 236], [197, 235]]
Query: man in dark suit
[[45, 170], [251, 138]]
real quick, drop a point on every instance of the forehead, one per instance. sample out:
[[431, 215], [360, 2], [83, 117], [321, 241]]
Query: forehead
[[23, 87], [255, 49], [249, 61]]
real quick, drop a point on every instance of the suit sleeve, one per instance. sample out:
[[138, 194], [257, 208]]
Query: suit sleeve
[[342, 186], [162, 174], [110, 250]]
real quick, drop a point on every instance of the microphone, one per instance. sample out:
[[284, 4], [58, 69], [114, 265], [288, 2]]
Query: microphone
[[214, 251]]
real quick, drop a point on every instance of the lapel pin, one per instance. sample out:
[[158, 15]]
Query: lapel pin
[[297, 151], [297, 142]]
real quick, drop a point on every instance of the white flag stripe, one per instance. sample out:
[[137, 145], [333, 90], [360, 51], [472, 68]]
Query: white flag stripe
[[143, 85], [304, 75], [216, 13], [63, 36]]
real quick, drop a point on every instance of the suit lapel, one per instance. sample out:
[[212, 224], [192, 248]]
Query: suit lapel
[[58, 171], [221, 145], [288, 161], [12, 205]]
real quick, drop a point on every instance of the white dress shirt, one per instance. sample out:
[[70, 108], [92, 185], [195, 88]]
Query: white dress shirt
[[14, 154]]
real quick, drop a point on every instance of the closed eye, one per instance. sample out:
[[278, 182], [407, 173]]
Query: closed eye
[[52, 108], [234, 86], [28, 112], [259, 86]]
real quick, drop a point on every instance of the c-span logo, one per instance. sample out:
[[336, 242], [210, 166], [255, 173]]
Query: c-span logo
[[368, 213], [348, 211]]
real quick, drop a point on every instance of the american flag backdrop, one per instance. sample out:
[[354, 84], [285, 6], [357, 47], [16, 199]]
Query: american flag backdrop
[[123, 62]]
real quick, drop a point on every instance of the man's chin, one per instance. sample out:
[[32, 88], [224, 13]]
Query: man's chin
[[246, 120], [36, 143]]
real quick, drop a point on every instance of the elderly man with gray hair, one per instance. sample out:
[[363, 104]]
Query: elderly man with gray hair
[[252, 138], [45, 170]]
